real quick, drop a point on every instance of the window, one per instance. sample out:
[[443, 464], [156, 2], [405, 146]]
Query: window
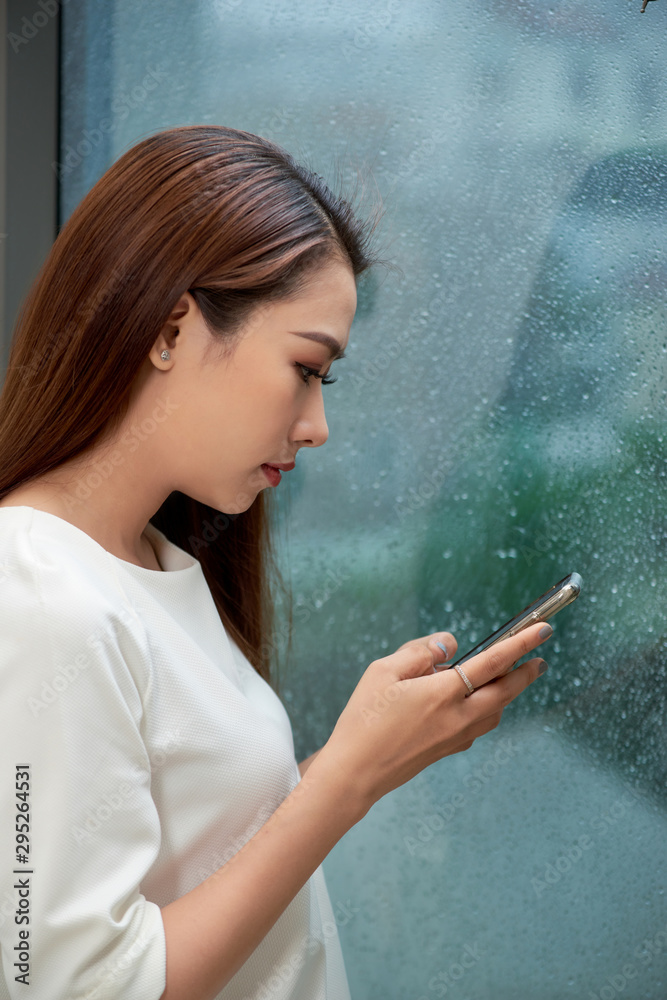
[[498, 423]]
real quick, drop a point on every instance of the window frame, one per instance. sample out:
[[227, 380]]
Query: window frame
[[29, 143]]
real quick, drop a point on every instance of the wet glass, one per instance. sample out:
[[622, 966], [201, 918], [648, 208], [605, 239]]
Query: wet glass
[[498, 422]]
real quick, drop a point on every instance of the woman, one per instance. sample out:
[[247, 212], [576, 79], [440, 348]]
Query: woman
[[168, 362]]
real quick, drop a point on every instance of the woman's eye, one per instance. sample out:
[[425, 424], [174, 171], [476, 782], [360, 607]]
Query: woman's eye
[[306, 373]]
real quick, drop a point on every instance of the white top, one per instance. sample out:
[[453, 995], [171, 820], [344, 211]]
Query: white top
[[155, 751]]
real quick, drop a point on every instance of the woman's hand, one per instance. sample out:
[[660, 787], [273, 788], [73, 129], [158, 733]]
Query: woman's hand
[[403, 715]]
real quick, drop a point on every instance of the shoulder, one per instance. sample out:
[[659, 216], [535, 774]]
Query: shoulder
[[47, 563], [61, 601]]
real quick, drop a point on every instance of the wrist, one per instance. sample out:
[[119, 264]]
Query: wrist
[[329, 775]]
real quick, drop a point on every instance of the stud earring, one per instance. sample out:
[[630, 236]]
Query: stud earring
[[165, 355]]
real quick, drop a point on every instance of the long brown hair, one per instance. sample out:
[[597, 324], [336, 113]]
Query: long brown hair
[[232, 218]]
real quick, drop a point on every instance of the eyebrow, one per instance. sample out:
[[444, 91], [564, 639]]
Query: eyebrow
[[335, 350]]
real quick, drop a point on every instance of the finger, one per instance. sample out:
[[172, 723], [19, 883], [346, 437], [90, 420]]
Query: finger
[[417, 657], [499, 658], [443, 645], [496, 695]]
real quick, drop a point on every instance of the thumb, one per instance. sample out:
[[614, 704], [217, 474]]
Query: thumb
[[413, 659]]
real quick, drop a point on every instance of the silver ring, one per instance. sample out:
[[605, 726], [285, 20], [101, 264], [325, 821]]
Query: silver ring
[[465, 680]]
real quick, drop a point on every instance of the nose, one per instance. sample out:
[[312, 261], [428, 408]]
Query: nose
[[310, 429]]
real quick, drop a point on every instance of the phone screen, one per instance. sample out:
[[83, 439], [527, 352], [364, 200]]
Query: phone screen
[[559, 596]]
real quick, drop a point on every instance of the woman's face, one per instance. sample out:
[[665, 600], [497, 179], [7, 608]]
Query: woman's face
[[232, 415]]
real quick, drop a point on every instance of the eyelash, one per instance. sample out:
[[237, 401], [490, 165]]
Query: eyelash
[[306, 372]]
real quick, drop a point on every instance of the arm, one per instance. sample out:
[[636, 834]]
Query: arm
[[212, 930], [401, 717], [93, 827]]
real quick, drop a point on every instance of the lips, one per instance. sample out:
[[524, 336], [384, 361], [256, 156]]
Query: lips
[[287, 467], [272, 474]]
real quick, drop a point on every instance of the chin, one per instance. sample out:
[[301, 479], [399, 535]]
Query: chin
[[230, 505], [238, 507], [240, 502]]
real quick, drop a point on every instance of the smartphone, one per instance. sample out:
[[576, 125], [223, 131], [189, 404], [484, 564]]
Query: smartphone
[[562, 594]]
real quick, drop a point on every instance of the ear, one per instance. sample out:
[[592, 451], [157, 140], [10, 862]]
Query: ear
[[166, 339]]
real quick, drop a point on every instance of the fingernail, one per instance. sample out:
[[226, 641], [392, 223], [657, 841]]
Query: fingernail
[[543, 667], [444, 649], [545, 632]]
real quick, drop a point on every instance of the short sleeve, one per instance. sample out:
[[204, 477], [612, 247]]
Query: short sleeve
[[75, 677]]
